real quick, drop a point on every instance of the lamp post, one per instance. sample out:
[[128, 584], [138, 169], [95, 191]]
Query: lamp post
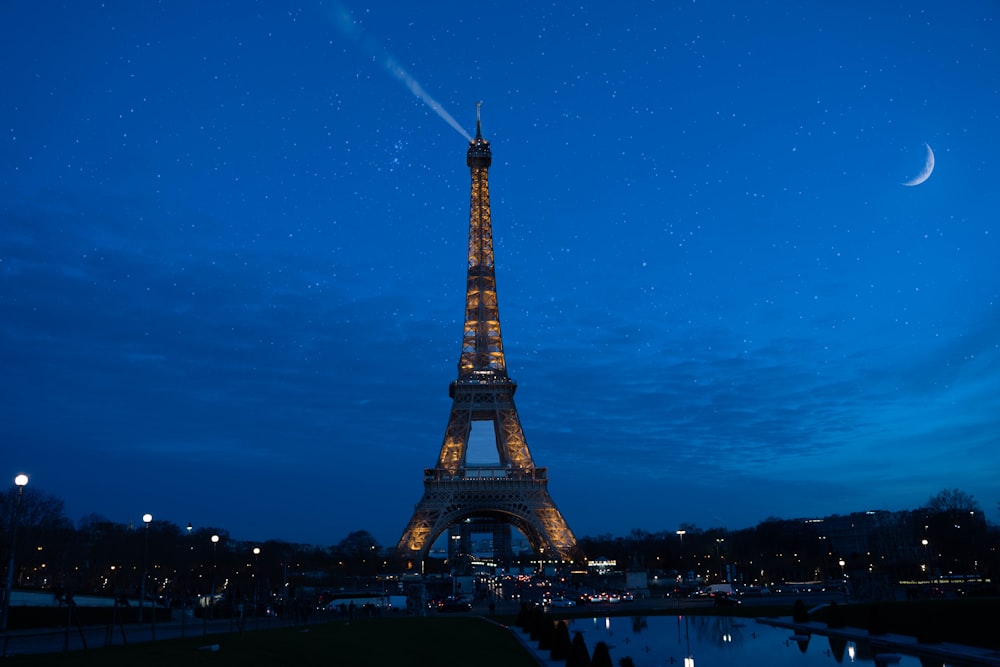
[[253, 577], [681, 534], [927, 559], [843, 576], [187, 580], [146, 519], [20, 481], [723, 575], [211, 593]]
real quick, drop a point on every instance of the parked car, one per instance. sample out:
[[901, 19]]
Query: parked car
[[452, 603], [562, 602]]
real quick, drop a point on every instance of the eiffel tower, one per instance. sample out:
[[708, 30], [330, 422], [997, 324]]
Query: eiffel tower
[[514, 492]]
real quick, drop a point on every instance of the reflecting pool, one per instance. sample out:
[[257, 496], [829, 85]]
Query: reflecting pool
[[721, 641]]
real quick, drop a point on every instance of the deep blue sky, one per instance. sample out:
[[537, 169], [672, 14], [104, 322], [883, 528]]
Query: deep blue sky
[[232, 255]]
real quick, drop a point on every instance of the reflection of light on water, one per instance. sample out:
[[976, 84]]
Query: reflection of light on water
[[607, 622], [727, 638], [852, 650], [689, 662]]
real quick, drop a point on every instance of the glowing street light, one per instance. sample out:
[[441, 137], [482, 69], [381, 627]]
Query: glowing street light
[[211, 599], [146, 519], [256, 557], [20, 481], [187, 582], [209, 607]]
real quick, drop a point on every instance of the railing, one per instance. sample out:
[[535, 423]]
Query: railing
[[485, 473]]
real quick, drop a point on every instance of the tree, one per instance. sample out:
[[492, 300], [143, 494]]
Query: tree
[[956, 532], [359, 551], [37, 509], [691, 529], [41, 520], [952, 500]]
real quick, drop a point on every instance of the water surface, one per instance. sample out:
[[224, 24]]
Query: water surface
[[721, 641]]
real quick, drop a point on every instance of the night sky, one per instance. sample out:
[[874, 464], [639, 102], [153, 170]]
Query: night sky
[[233, 255]]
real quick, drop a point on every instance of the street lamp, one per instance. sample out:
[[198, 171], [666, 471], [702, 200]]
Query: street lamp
[[146, 519], [209, 607], [256, 557], [211, 599], [927, 559], [20, 481], [723, 575], [843, 576], [681, 534], [187, 580]]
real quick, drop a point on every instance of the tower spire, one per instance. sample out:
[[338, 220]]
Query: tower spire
[[479, 154]]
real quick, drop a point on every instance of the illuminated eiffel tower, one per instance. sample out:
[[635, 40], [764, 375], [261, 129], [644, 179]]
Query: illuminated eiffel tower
[[513, 492]]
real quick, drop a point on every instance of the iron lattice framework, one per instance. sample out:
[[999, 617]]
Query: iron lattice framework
[[515, 491]]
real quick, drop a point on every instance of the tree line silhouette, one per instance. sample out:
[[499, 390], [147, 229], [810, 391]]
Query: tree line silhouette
[[948, 537]]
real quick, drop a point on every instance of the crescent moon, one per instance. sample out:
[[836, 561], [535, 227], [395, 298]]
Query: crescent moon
[[926, 172]]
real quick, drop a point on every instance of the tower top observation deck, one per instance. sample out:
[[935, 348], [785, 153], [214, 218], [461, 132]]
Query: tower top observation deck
[[479, 154]]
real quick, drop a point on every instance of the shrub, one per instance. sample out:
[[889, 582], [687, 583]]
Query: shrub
[[929, 631], [578, 654], [536, 618], [834, 616], [602, 656], [546, 633], [877, 622], [560, 642]]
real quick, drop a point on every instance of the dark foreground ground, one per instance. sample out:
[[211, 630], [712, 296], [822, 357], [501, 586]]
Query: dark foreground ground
[[443, 641], [484, 639]]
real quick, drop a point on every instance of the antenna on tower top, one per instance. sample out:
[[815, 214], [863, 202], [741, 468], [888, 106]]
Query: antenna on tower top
[[478, 154]]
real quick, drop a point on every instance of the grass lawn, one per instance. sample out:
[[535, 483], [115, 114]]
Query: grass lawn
[[395, 642], [446, 641]]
